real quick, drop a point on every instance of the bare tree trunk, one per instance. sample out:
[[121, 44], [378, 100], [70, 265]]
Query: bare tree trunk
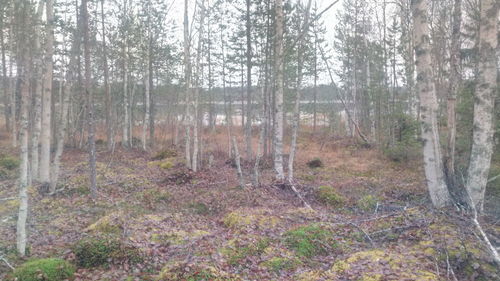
[[23, 169], [237, 162], [12, 92], [107, 95], [195, 157], [187, 77], [248, 124], [296, 111], [428, 107], [38, 93], [90, 96], [5, 81], [486, 91], [278, 113], [61, 134], [454, 87], [125, 136], [47, 95], [146, 85]]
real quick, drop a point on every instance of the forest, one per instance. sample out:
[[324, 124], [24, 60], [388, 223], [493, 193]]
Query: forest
[[224, 140]]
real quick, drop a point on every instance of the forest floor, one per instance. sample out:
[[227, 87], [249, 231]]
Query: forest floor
[[370, 221]]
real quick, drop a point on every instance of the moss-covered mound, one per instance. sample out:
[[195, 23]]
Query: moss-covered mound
[[239, 249], [44, 269], [177, 271], [100, 251], [375, 265], [310, 240], [329, 196], [245, 218]]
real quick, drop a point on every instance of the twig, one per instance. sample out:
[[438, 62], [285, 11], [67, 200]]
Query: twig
[[300, 196], [364, 232], [8, 198], [486, 240], [7, 263]]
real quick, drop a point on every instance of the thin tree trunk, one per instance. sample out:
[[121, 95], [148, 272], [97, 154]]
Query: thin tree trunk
[[38, 93], [428, 107], [454, 87], [296, 110], [125, 136], [23, 169], [187, 77], [484, 100], [47, 95], [5, 81], [248, 124], [278, 113], [12, 91], [146, 85], [90, 96], [107, 95]]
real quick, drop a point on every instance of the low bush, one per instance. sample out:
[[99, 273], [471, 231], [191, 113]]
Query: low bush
[[98, 251], [310, 240], [50, 269], [328, 195]]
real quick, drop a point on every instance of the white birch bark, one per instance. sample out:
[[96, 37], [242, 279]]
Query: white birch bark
[[38, 93], [428, 107], [47, 95], [484, 101], [278, 113], [24, 134]]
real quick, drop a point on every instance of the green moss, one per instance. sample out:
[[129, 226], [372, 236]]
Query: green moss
[[109, 224], [236, 253], [98, 251], [154, 196], [199, 272], [278, 264], [329, 196], [9, 163], [199, 208], [167, 164], [44, 269], [309, 241], [168, 153], [367, 203], [243, 218]]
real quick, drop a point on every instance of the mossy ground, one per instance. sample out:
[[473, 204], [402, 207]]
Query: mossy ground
[[173, 224]]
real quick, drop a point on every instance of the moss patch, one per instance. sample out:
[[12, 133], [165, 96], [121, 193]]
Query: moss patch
[[367, 203], [277, 264], [237, 250], [243, 218], [198, 272], [44, 269], [99, 251], [328, 195], [310, 240]]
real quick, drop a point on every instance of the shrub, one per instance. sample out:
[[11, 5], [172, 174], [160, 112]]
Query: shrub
[[278, 264], [315, 163], [168, 153], [329, 196], [407, 144], [44, 269], [367, 203], [97, 251], [9, 163], [166, 165], [310, 240]]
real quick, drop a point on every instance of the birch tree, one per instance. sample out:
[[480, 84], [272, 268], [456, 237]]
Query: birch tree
[[485, 93], [278, 102], [23, 7], [47, 95], [433, 165]]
